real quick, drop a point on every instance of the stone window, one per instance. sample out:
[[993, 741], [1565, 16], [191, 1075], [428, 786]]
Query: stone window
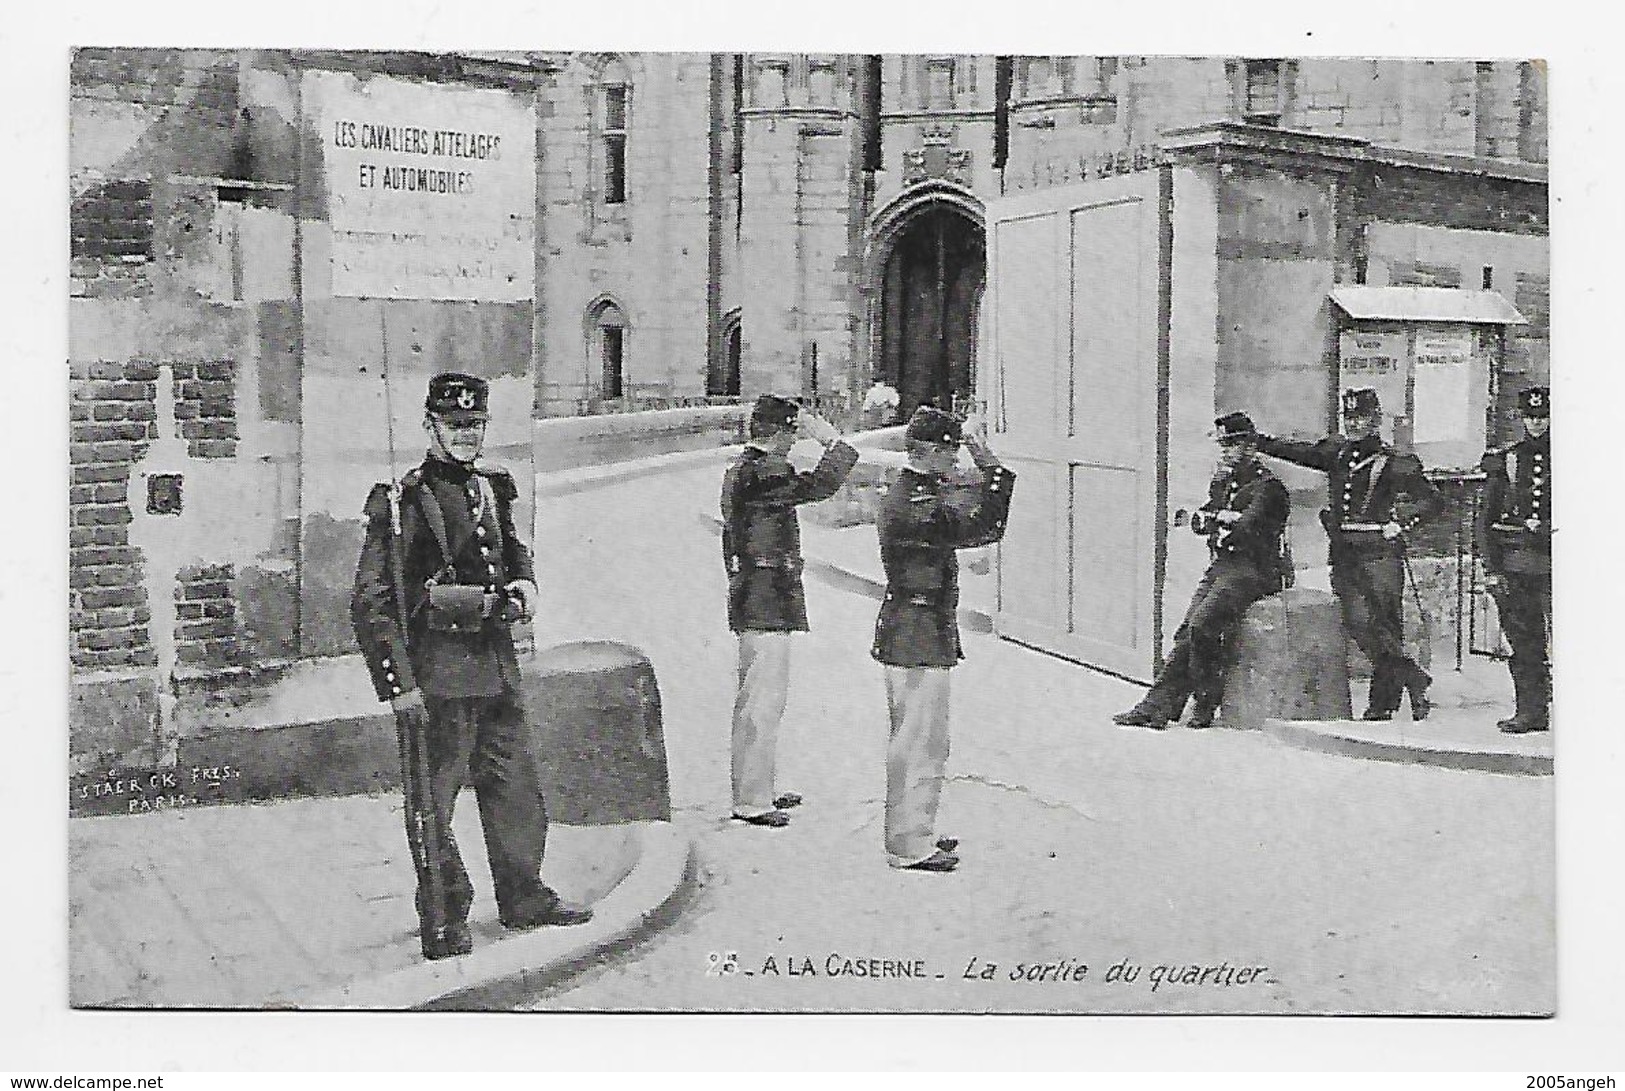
[[615, 101], [1262, 92]]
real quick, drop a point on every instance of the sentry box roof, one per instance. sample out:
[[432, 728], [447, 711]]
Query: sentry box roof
[[1413, 304]]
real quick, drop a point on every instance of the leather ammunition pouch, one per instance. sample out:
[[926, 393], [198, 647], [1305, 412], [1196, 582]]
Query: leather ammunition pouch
[[455, 607]]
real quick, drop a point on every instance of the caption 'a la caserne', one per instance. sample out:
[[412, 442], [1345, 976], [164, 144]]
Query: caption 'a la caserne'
[[978, 968]]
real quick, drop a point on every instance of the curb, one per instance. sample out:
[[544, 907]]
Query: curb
[[519, 961], [582, 478], [844, 579], [1325, 737]]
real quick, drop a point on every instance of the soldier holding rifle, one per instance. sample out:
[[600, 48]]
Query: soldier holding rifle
[[443, 574]]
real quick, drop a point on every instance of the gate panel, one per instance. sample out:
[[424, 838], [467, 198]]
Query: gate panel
[[1073, 280]]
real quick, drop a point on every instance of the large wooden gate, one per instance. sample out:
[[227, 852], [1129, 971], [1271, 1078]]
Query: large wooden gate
[[1077, 407]]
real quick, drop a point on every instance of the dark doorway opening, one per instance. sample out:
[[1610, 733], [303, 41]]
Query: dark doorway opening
[[724, 380], [612, 349], [932, 286]]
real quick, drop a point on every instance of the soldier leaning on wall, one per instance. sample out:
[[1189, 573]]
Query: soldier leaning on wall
[[1376, 497]]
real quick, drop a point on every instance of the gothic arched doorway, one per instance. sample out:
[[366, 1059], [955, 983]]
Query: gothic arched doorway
[[929, 291]]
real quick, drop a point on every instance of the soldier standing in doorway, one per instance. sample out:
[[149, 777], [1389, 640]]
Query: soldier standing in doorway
[[1376, 496], [924, 520], [439, 582], [1517, 537], [761, 546], [1243, 520]]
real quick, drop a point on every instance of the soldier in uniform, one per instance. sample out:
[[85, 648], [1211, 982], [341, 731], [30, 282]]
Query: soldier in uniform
[[451, 670], [761, 546], [1243, 520], [1376, 496], [1517, 537], [925, 518]]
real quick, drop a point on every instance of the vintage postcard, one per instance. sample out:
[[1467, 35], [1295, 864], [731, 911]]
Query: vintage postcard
[[810, 532]]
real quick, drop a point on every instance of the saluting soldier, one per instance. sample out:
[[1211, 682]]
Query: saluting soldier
[[1376, 496], [761, 546], [925, 519], [451, 672], [1243, 521], [1517, 537]]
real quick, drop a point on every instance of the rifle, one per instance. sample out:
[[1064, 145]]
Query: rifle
[[422, 824]]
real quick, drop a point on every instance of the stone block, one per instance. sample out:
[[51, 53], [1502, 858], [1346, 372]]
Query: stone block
[[594, 708], [1289, 662]]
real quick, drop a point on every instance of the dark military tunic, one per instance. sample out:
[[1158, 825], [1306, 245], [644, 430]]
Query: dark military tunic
[[1369, 484], [1246, 566], [486, 552], [761, 534], [922, 523], [1516, 531], [469, 677]]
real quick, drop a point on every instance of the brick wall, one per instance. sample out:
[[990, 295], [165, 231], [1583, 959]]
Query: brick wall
[[112, 423], [206, 623], [111, 249], [146, 290], [206, 408]]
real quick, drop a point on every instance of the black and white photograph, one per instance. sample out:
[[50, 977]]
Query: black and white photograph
[[673, 531]]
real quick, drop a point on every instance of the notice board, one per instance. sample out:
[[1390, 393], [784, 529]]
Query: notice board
[[430, 189]]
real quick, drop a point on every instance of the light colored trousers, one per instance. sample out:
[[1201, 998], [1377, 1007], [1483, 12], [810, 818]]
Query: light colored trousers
[[764, 686], [916, 760]]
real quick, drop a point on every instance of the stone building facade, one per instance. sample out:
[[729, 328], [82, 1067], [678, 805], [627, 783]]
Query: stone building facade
[[824, 213], [706, 227]]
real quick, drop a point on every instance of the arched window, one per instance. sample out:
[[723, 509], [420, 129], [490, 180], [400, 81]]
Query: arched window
[[614, 96], [607, 344]]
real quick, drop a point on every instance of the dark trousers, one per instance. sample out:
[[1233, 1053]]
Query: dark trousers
[[483, 741], [1197, 662], [1524, 601], [1370, 589]]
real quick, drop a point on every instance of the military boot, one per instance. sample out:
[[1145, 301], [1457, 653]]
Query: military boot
[[1531, 704], [447, 942], [1417, 686]]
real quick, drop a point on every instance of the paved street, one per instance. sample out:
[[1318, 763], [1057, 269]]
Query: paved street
[[1197, 857]]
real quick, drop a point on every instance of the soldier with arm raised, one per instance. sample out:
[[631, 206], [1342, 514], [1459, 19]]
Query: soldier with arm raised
[[761, 547], [925, 520], [1376, 496]]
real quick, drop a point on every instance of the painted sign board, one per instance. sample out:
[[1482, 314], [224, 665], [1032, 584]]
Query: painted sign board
[[430, 190]]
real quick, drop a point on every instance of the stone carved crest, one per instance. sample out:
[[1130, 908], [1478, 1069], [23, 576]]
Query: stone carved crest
[[936, 158]]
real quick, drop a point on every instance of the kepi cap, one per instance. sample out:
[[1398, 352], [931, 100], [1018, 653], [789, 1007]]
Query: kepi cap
[[931, 425], [1361, 402], [1234, 428], [774, 411], [1536, 401], [453, 394]]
